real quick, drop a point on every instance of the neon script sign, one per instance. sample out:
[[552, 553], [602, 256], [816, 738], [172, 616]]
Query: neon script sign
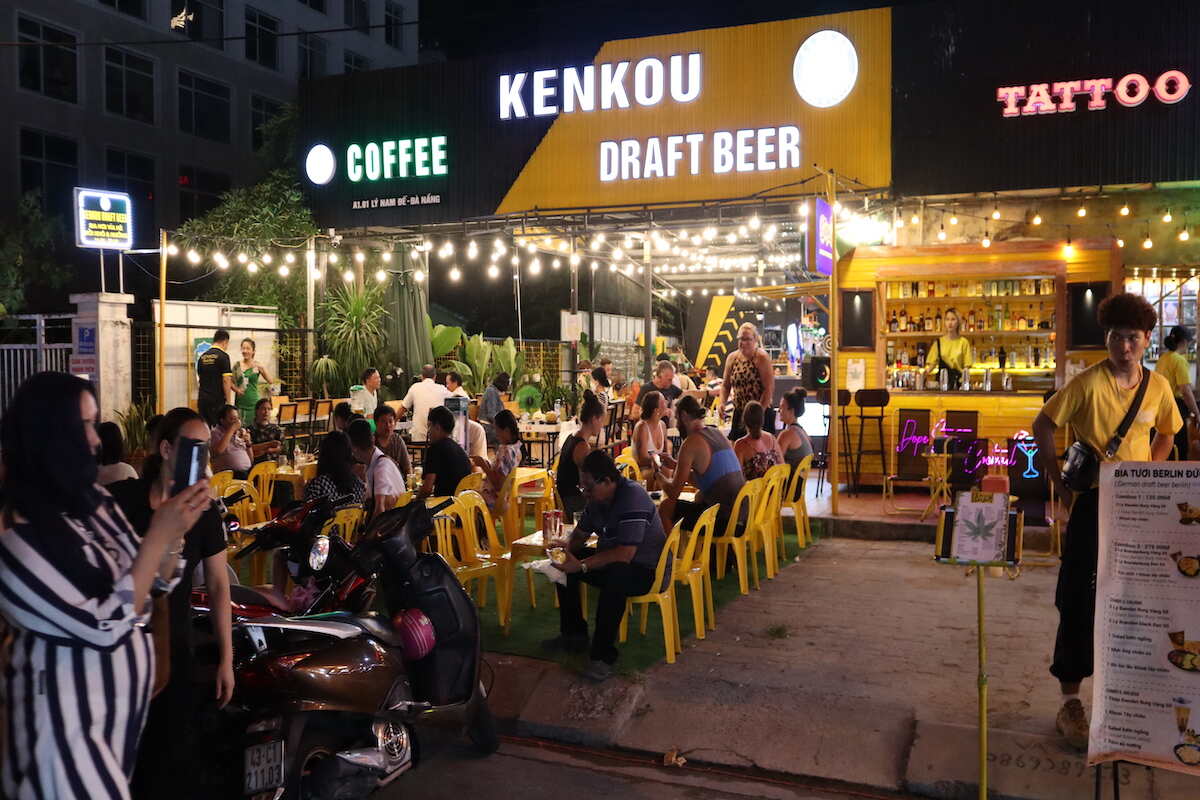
[[976, 457], [1132, 90]]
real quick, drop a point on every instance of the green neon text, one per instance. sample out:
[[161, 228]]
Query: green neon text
[[397, 158]]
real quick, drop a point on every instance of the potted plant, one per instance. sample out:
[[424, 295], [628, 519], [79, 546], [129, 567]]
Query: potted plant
[[133, 429]]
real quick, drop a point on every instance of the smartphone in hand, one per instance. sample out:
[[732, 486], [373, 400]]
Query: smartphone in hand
[[191, 462]]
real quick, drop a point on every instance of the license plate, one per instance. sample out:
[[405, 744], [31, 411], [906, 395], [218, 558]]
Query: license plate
[[264, 767]]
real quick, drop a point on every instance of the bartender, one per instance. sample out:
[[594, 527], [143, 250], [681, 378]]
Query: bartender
[[950, 352]]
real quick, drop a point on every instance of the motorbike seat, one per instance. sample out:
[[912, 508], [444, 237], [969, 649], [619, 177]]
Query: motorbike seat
[[371, 624], [246, 596]]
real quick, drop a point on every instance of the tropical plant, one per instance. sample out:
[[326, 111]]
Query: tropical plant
[[443, 338], [133, 425], [353, 329], [325, 377], [475, 370], [553, 389], [589, 350], [29, 256], [511, 360]]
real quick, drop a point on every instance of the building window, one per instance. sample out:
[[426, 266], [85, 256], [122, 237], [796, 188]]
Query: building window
[[199, 191], [129, 85], [262, 111], [357, 15], [134, 8], [262, 44], [50, 165], [393, 24], [52, 68], [353, 62], [313, 56], [204, 108], [134, 174], [207, 23], [315, 5]]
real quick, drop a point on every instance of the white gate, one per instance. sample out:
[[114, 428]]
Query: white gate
[[35, 343]]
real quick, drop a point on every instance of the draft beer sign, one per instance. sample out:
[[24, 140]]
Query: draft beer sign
[[103, 219]]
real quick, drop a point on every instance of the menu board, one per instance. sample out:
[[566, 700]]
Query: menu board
[[1146, 693]]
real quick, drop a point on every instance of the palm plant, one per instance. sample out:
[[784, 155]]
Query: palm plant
[[325, 377], [509, 359], [352, 328], [474, 370], [133, 425], [443, 338]]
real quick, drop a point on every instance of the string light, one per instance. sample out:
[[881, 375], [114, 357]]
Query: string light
[[242, 258], [348, 276], [380, 276], [455, 274], [555, 264], [515, 260], [575, 259], [472, 250], [1081, 211], [493, 271], [193, 256], [1037, 218], [289, 257], [802, 209], [172, 249], [1120, 242], [595, 265], [386, 255], [315, 273], [756, 223], [954, 219], [618, 253], [1183, 234], [531, 248], [266, 258], [1167, 216], [221, 261], [612, 266], [333, 258], [915, 219], [996, 210], [987, 239], [284, 271], [1125, 210], [535, 266], [418, 275], [252, 267]]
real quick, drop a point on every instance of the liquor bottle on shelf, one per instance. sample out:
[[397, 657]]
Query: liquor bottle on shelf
[[903, 320], [937, 321], [916, 288], [1031, 320], [929, 289], [921, 355], [1037, 357], [893, 323], [891, 352], [1002, 357], [970, 320], [929, 321], [904, 355]]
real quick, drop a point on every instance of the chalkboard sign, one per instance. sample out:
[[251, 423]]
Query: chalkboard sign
[[1083, 330], [912, 443], [858, 319]]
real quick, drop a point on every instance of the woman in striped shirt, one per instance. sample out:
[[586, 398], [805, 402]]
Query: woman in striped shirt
[[74, 584]]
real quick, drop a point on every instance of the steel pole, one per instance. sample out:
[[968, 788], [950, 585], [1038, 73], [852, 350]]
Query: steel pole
[[160, 394]]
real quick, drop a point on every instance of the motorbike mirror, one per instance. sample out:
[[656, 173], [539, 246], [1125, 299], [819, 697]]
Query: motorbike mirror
[[319, 553]]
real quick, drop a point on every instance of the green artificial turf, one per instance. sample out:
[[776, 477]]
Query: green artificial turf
[[531, 626]]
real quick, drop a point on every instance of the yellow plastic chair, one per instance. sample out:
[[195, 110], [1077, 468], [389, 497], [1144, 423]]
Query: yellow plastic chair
[[345, 522], [745, 544], [795, 505], [662, 593], [488, 547], [262, 475], [626, 461], [454, 545], [692, 569], [308, 472], [404, 500], [472, 482], [770, 523], [507, 512], [218, 482], [248, 510]]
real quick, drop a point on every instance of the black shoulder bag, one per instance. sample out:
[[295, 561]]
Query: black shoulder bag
[[1082, 468]]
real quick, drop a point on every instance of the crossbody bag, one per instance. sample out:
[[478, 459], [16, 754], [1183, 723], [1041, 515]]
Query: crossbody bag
[[1082, 468]]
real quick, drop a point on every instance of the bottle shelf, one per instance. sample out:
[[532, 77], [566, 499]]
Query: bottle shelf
[[1038, 333], [972, 299]]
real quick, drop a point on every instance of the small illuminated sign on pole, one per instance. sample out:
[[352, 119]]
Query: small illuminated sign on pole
[[822, 238], [103, 219]]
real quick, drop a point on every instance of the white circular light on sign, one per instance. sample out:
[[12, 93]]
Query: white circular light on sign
[[825, 69], [105, 203], [320, 164]]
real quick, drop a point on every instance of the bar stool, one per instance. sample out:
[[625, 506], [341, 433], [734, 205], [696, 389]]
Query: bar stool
[[871, 404], [823, 397]]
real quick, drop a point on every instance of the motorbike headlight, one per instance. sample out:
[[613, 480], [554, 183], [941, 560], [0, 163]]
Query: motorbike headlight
[[319, 553]]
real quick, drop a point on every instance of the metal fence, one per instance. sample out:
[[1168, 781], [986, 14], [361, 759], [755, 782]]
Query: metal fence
[[32, 343]]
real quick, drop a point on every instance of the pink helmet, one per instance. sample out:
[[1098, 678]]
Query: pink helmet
[[416, 633]]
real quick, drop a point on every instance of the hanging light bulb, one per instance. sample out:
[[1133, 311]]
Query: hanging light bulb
[[915, 219], [531, 248], [612, 266], [252, 267], [535, 266], [704, 292], [1068, 248], [731, 238], [575, 259], [756, 223], [899, 223], [618, 253], [515, 260], [418, 275], [348, 276], [1124, 212], [193, 257], [455, 274], [802, 209], [1167, 216], [386, 255], [996, 211], [220, 260], [333, 258], [1081, 211], [743, 231], [770, 232], [472, 250], [987, 239], [380, 275], [710, 233], [493, 271], [242, 258], [172, 249], [555, 264], [315, 273], [266, 258], [1037, 218], [954, 219], [941, 234], [595, 265], [284, 270], [1147, 243], [1120, 242], [688, 292], [1183, 234]]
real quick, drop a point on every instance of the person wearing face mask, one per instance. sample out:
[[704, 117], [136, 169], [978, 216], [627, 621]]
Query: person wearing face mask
[[76, 583], [167, 753]]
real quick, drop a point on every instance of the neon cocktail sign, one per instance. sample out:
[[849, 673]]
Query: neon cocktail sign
[[976, 458], [1132, 90]]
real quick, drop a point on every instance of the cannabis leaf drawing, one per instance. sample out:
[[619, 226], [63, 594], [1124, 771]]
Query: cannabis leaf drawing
[[978, 529]]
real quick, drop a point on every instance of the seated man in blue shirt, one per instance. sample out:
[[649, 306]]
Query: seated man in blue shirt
[[622, 564]]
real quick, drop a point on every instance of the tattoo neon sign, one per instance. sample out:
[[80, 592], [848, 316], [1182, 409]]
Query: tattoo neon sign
[[1132, 90]]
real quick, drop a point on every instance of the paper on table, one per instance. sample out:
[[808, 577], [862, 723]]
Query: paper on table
[[549, 570]]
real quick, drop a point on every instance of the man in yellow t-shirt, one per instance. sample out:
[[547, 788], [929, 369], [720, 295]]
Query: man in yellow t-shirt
[[1093, 404], [1173, 366]]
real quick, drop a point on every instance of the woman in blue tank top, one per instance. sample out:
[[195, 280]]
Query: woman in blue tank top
[[705, 459]]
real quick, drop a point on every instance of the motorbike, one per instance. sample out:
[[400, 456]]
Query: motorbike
[[328, 706]]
